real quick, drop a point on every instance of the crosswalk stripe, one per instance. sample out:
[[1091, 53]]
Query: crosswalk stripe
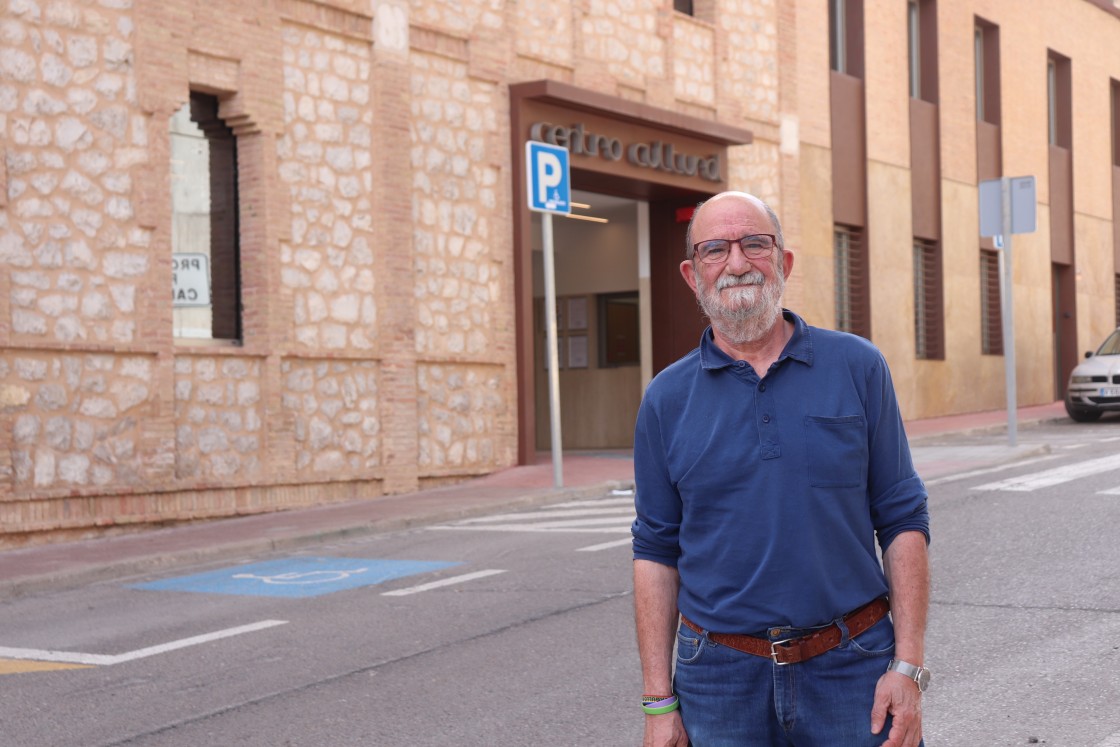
[[988, 470], [537, 528], [624, 510], [1056, 476]]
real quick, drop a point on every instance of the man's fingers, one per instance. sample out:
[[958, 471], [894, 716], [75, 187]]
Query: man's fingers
[[879, 708]]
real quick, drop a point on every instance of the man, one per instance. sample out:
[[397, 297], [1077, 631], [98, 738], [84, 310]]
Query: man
[[768, 461]]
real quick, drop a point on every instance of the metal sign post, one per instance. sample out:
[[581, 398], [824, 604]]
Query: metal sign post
[[1007, 206], [550, 192], [1008, 313]]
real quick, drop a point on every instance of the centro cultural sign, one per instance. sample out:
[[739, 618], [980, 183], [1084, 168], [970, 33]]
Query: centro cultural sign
[[651, 155]]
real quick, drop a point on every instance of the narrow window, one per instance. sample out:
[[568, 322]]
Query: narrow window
[[978, 48], [1115, 89], [928, 314], [204, 223], [1052, 100], [837, 36], [913, 35], [1059, 100], [991, 319], [845, 37], [851, 281], [1116, 281], [683, 6], [986, 48]]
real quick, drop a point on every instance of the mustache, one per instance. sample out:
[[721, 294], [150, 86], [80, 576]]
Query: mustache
[[753, 277]]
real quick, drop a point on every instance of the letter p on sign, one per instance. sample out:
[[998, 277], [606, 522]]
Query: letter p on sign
[[548, 178]]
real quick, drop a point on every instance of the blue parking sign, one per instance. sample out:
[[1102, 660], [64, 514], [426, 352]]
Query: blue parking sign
[[548, 178]]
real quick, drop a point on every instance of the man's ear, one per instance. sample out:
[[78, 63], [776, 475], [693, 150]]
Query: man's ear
[[688, 272], [787, 263]]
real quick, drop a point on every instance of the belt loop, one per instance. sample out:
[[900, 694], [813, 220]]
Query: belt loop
[[844, 636]]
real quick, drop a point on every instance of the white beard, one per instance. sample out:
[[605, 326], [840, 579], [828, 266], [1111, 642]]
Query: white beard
[[746, 313]]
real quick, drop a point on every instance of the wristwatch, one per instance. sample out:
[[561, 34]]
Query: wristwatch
[[920, 675]]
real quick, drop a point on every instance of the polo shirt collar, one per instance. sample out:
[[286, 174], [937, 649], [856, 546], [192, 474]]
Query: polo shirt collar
[[799, 347]]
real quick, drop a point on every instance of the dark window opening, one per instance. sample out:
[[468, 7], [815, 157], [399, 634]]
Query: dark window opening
[[1059, 100], [929, 323], [845, 36], [1117, 297], [986, 44], [205, 230], [683, 6], [991, 316], [852, 307], [921, 34]]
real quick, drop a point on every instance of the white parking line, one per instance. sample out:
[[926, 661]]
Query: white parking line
[[605, 545], [441, 582], [74, 657]]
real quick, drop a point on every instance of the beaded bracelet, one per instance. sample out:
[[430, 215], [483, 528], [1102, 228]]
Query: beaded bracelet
[[658, 707]]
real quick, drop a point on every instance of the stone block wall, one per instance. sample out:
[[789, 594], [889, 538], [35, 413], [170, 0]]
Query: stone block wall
[[376, 247]]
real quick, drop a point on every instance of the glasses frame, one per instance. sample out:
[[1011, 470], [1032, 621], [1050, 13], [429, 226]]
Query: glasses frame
[[749, 255]]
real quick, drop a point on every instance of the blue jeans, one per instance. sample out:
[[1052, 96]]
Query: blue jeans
[[732, 699]]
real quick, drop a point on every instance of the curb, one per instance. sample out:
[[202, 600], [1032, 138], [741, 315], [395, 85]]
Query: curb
[[80, 575]]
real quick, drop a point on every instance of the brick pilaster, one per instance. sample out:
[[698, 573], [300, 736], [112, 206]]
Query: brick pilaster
[[393, 247]]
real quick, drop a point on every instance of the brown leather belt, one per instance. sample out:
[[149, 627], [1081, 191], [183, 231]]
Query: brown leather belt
[[794, 650]]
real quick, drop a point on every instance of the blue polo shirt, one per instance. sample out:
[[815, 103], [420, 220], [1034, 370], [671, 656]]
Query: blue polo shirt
[[768, 494]]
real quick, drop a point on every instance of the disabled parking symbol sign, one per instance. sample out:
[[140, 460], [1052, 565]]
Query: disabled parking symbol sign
[[297, 577]]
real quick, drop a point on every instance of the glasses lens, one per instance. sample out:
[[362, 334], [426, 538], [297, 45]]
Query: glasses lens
[[713, 251], [757, 246]]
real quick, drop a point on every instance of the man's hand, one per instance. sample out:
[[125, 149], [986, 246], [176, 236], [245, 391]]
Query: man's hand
[[665, 730], [899, 696]]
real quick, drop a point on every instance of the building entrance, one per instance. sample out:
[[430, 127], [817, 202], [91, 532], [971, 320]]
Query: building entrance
[[623, 310]]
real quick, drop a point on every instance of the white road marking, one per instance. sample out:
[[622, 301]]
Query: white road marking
[[539, 528], [1112, 741], [600, 503], [613, 515], [74, 657], [988, 470], [1056, 476], [1110, 491], [605, 545], [1108, 440], [625, 510], [442, 582]]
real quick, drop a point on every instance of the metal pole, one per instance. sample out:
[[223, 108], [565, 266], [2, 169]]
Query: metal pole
[[553, 351], [1007, 312]]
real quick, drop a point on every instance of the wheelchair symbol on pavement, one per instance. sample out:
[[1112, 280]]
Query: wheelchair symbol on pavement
[[306, 577]]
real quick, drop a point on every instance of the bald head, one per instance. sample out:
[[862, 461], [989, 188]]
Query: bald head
[[727, 201]]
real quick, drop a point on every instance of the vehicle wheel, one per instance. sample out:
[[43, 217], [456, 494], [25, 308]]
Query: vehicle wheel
[[1083, 416]]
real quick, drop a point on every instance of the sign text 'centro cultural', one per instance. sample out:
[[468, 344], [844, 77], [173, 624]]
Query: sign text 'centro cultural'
[[651, 155]]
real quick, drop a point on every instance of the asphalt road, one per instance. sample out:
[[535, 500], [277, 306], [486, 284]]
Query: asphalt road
[[529, 641]]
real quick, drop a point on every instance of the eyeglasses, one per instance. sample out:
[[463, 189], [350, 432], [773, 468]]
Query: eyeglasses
[[714, 251]]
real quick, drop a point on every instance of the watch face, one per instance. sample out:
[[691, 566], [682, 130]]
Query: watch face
[[923, 679]]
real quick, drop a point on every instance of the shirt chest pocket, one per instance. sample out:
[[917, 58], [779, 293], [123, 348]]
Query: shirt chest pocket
[[836, 448]]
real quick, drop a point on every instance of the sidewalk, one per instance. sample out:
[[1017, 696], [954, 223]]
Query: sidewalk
[[586, 475]]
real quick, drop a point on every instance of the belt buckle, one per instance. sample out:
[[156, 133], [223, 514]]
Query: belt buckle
[[774, 652]]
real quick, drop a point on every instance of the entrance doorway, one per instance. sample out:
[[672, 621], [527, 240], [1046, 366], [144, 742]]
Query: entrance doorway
[[623, 313]]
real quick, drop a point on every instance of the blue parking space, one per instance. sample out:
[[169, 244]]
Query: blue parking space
[[296, 577]]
